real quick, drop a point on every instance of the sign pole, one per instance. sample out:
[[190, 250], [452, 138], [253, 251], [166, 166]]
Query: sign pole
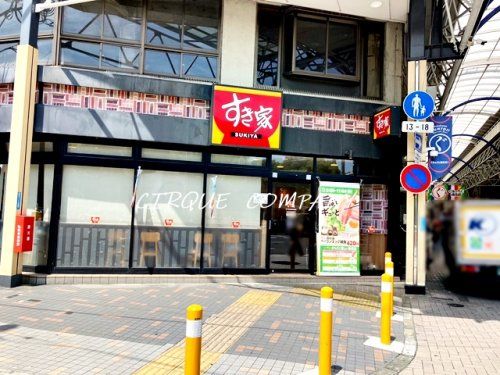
[[415, 204]]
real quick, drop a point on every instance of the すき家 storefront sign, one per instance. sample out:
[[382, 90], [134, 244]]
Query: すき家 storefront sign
[[246, 117], [338, 237]]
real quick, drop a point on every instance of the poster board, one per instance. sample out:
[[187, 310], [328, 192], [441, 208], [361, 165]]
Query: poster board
[[337, 240]]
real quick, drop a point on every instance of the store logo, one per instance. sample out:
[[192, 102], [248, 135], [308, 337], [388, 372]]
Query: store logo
[[95, 219], [483, 226]]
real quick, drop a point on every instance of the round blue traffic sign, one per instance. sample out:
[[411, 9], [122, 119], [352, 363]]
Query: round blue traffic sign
[[418, 105], [415, 178]]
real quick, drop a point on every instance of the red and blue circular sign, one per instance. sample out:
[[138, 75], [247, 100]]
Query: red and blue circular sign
[[415, 178]]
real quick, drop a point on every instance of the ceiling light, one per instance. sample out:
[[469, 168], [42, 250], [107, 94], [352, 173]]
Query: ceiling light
[[376, 3]]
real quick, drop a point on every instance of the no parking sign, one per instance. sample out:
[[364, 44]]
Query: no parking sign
[[415, 178]]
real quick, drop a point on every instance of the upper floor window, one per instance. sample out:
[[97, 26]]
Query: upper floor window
[[326, 47], [10, 27], [268, 48], [181, 37]]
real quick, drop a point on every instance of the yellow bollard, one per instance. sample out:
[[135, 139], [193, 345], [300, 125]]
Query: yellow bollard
[[385, 313], [194, 314], [389, 269], [388, 258], [325, 331]]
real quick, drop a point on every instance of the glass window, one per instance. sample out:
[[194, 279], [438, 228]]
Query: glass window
[[268, 48], [123, 19], [168, 219], [8, 53], [94, 224], [326, 47], [11, 15], [310, 45], [335, 166], [155, 153], [164, 23], [80, 53], [199, 66], [122, 57], [292, 163], [40, 205], [162, 62], [255, 161], [83, 19], [342, 52], [83, 148], [201, 24], [235, 233], [45, 51], [42, 147]]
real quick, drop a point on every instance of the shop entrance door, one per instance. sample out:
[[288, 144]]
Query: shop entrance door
[[291, 227]]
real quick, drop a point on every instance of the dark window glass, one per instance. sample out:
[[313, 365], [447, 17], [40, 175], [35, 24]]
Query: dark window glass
[[123, 19], [199, 66], [120, 57], [162, 62], [8, 53], [268, 49], [201, 24], [310, 45], [80, 53], [342, 40], [83, 19], [164, 25], [335, 166], [292, 163]]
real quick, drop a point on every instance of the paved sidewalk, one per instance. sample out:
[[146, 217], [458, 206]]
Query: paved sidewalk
[[126, 329], [455, 334]]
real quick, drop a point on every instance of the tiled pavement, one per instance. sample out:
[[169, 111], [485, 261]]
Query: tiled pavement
[[455, 334], [125, 329]]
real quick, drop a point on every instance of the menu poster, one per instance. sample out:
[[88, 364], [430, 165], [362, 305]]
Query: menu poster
[[338, 238]]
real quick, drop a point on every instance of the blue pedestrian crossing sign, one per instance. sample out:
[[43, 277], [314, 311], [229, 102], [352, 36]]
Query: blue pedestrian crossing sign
[[418, 105]]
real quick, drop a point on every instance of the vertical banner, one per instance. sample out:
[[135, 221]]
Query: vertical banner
[[337, 241], [441, 141]]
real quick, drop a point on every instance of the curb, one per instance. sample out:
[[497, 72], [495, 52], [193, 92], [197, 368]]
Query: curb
[[401, 361]]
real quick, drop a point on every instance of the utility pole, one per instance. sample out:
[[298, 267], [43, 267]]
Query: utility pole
[[21, 134]]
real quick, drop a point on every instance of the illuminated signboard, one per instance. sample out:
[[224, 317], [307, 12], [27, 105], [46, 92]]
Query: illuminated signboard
[[246, 117]]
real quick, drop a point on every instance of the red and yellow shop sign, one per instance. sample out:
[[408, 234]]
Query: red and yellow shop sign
[[382, 124], [246, 117]]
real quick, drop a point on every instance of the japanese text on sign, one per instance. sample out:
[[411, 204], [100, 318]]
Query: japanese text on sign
[[246, 117]]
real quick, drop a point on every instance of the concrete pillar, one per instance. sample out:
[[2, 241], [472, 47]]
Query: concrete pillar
[[393, 63], [239, 28], [416, 254], [21, 134]]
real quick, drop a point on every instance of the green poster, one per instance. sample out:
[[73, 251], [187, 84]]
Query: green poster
[[338, 238]]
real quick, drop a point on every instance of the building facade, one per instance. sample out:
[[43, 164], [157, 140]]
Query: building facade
[[125, 161]]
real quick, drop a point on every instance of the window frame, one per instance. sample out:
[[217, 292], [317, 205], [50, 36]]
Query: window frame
[[327, 20], [142, 46]]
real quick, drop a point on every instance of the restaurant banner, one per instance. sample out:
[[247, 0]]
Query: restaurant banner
[[338, 239], [382, 124], [441, 141], [246, 117]]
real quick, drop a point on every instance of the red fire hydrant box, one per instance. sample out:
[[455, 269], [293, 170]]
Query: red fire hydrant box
[[25, 229]]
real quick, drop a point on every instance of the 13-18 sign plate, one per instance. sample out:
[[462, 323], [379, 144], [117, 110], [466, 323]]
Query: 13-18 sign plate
[[417, 127]]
